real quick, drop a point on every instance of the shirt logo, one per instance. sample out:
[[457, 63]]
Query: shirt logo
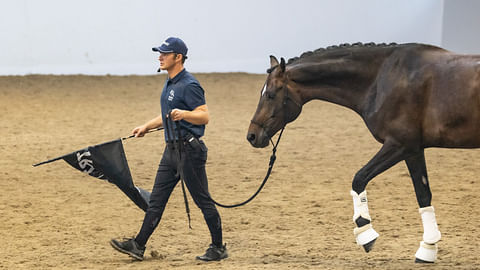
[[171, 95]]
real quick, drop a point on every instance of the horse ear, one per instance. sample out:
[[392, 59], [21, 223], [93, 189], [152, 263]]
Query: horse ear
[[273, 61], [282, 64]]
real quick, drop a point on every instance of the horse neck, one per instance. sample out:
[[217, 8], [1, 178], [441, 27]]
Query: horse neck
[[350, 97], [342, 81]]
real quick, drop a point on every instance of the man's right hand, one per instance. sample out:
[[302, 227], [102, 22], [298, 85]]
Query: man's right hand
[[139, 131]]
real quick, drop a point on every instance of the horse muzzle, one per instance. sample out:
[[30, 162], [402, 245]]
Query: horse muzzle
[[257, 137]]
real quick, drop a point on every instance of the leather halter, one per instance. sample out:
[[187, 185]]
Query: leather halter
[[286, 98]]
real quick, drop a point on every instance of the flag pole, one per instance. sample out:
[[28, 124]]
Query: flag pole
[[61, 157], [50, 160], [151, 130]]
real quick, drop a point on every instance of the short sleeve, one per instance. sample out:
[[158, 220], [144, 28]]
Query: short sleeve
[[194, 96]]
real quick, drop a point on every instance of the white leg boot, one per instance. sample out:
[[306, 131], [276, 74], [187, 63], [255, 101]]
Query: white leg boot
[[427, 252], [365, 235]]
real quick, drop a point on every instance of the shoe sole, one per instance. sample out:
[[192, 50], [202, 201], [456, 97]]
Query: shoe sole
[[133, 255], [207, 260]]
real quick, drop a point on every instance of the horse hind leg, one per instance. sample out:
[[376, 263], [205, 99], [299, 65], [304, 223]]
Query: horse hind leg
[[427, 252], [389, 155]]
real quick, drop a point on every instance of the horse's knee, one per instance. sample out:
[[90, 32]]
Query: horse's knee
[[359, 182]]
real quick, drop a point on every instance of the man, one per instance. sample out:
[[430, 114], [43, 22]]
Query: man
[[185, 98]]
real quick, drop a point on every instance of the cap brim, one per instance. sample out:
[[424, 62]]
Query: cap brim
[[157, 49]]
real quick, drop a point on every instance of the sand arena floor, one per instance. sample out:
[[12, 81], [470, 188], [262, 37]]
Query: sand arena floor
[[56, 217]]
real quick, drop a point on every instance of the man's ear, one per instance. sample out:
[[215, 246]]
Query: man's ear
[[178, 57]]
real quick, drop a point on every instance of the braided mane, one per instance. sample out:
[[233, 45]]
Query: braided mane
[[337, 47]]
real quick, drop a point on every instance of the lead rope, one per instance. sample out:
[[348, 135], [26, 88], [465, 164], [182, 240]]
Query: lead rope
[[178, 149], [273, 157]]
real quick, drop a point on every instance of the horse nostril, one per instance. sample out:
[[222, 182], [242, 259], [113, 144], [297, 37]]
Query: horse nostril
[[251, 137]]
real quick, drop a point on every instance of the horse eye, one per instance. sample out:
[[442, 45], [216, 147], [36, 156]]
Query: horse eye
[[270, 95]]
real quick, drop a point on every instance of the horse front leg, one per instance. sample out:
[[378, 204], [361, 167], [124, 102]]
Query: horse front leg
[[427, 252], [389, 155]]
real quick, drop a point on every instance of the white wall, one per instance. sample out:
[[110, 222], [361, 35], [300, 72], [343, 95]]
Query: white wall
[[460, 26], [116, 36]]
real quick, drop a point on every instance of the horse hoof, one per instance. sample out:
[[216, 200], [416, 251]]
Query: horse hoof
[[366, 236], [426, 253], [417, 260], [368, 246]]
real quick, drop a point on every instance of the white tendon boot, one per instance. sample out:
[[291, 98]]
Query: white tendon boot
[[365, 235], [427, 252]]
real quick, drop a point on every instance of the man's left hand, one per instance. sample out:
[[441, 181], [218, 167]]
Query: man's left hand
[[177, 114]]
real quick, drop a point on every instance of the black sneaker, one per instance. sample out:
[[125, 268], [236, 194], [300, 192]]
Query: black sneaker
[[214, 253], [129, 247]]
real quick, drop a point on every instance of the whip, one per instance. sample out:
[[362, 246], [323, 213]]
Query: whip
[[150, 131]]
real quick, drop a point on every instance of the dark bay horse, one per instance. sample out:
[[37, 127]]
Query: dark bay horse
[[410, 96]]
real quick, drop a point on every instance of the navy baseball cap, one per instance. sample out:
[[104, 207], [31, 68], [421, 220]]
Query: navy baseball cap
[[172, 44]]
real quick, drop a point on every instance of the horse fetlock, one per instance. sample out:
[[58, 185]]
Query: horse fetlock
[[426, 253], [365, 234], [431, 233], [362, 221]]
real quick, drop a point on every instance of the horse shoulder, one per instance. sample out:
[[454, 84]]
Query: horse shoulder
[[396, 99]]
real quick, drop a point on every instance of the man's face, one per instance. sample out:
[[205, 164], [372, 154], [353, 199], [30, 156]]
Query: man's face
[[168, 60]]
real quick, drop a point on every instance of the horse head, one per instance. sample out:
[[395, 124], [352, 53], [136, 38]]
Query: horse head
[[278, 105]]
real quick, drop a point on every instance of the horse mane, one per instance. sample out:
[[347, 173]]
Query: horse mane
[[334, 48]]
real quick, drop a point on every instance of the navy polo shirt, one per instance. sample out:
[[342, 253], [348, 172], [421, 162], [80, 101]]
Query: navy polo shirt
[[185, 93]]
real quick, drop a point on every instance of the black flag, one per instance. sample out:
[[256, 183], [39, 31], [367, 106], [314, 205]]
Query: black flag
[[107, 161]]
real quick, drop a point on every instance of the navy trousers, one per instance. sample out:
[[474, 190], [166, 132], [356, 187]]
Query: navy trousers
[[195, 178]]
